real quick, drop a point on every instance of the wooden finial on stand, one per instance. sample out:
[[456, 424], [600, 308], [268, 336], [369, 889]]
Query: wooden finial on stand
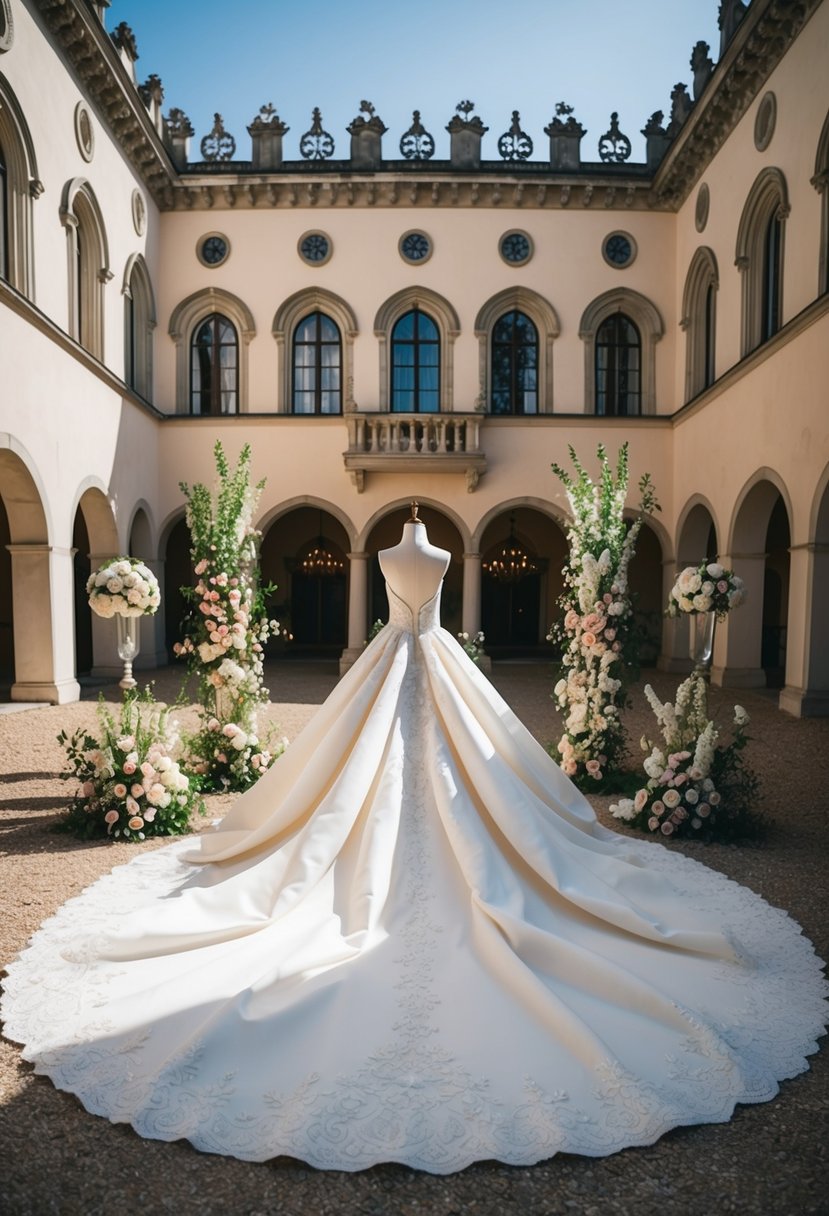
[[415, 508]]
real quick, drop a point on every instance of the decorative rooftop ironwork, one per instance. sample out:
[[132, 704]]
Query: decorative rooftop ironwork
[[267, 118], [316, 144], [515, 144], [564, 123], [219, 144], [417, 143], [373, 123], [614, 146], [461, 120]]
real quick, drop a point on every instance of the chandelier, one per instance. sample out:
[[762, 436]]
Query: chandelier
[[320, 560], [512, 561]]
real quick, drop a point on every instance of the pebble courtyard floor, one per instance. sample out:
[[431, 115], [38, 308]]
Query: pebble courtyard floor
[[770, 1160]]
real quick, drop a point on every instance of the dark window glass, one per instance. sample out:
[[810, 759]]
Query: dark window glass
[[415, 364], [79, 242], [4, 219], [317, 376], [214, 367], [772, 249], [710, 333], [129, 353], [618, 366], [514, 365]]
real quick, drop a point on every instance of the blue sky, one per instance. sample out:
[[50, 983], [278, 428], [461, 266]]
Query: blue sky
[[597, 55]]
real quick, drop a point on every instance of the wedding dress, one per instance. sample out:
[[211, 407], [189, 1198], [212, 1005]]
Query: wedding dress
[[412, 941]]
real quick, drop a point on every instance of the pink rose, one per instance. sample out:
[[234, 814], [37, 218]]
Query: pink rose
[[670, 798], [132, 806], [571, 620], [680, 778], [667, 828], [607, 598], [221, 757], [593, 767], [617, 646], [588, 638], [704, 810], [640, 799], [570, 767], [137, 790], [149, 814], [201, 566], [714, 798], [111, 817], [88, 789], [653, 823], [230, 730], [136, 823], [119, 790], [128, 767], [610, 634], [213, 724], [658, 807], [722, 586]]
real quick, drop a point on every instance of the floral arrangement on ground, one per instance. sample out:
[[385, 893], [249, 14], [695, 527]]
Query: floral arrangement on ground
[[131, 786], [227, 629], [699, 782], [596, 630]]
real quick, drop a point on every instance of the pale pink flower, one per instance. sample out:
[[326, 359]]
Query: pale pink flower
[[722, 586], [610, 634], [136, 823], [88, 789], [680, 778], [653, 823], [617, 646], [714, 798], [640, 799], [221, 757], [147, 769], [149, 814], [213, 724], [132, 806], [658, 807], [570, 767], [230, 730], [667, 828], [671, 798], [119, 790], [571, 620], [593, 767], [111, 817], [704, 810], [129, 767], [200, 567], [588, 638], [137, 790]]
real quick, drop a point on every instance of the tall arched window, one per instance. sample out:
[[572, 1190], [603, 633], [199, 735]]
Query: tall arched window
[[4, 225], [139, 323], [88, 256], [214, 367], [415, 364], [186, 322], [759, 257], [820, 181], [772, 276], [618, 366], [514, 365], [699, 320], [317, 366]]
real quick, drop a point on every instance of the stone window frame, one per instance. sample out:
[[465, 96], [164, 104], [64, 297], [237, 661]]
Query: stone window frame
[[23, 185], [288, 316], [820, 181], [544, 317], [189, 314], [449, 327], [137, 289], [81, 216], [7, 27], [646, 317], [703, 274], [767, 199]]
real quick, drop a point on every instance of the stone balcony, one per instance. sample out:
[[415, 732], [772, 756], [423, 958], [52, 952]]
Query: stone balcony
[[406, 443]]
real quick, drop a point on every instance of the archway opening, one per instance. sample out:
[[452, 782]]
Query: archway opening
[[776, 596], [442, 532], [523, 552], [6, 608], [178, 573], [645, 586], [82, 568], [305, 553]]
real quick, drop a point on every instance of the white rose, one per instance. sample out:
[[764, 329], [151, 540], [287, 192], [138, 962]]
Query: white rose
[[122, 568], [740, 716], [715, 570], [239, 741], [702, 603], [102, 605], [114, 585], [707, 588], [736, 598], [689, 581]]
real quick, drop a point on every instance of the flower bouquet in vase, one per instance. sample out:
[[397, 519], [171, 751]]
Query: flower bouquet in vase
[[706, 594], [124, 588]]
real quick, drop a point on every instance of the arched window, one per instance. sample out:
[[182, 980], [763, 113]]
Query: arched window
[[820, 181], [759, 257], [19, 185], [186, 323], [214, 367], [620, 330], [293, 313], [618, 367], [139, 323], [416, 330], [317, 366], [514, 365], [4, 227], [88, 260], [415, 364], [699, 320]]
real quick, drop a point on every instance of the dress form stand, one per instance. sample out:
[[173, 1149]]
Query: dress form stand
[[414, 568]]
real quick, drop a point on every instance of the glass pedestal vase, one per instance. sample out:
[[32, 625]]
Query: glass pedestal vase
[[702, 641], [129, 644]]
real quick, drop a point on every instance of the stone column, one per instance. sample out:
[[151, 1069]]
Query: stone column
[[673, 654], [357, 610], [806, 692], [465, 135], [153, 652], [738, 639], [471, 613], [44, 624], [266, 132]]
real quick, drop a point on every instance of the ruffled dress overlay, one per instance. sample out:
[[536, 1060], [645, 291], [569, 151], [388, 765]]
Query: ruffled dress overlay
[[412, 941]]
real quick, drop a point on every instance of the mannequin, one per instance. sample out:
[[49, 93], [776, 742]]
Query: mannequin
[[414, 568]]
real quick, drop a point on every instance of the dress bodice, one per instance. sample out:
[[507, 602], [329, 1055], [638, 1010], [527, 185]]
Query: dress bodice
[[414, 572]]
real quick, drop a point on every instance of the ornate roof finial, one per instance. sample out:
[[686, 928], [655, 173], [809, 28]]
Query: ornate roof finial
[[415, 508], [316, 144], [417, 143], [219, 144], [614, 145]]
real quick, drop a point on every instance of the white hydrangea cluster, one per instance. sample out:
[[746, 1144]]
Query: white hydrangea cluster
[[123, 587]]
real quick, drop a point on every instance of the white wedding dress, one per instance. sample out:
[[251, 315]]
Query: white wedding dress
[[412, 941]]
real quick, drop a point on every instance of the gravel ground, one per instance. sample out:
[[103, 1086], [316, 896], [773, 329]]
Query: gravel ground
[[770, 1160]]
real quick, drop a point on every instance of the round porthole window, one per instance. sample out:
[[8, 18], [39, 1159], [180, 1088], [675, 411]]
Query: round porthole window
[[415, 247], [619, 249], [315, 248], [213, 249], [516, 247], [702, 207], [84, 132]]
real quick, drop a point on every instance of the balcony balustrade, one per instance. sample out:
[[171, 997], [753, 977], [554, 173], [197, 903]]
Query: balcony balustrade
[[404, 443]]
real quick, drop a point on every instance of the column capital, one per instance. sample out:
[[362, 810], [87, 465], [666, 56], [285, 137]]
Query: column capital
[[39, 547]]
